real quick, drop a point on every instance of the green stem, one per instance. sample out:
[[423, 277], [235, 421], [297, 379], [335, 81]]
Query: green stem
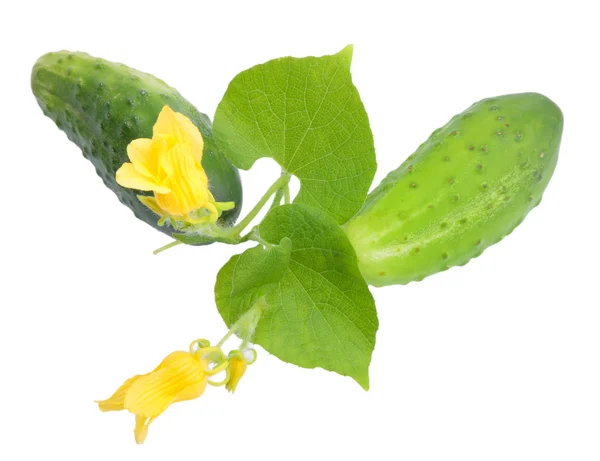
[[225, 338], [280, 193], [286, 193], [254, 235], [174, 243], [277, 199], [237, 229]]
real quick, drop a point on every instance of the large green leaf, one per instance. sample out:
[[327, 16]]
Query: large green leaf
[[320, 312], [307, 115]]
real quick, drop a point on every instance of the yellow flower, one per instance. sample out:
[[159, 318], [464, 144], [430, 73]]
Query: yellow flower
[[180, 376], [237, 367], [170, 165]]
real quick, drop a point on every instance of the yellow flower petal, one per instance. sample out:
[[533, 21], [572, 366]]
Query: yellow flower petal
[[173, 359], [191, 392], [139, 153], [141, 428], [167, 124], [150, 202], [128, 176], [165, 168], [151, 394], [187, 182], [116, 401], [177, 128]]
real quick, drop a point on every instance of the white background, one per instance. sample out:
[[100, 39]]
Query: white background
[[498, 360]]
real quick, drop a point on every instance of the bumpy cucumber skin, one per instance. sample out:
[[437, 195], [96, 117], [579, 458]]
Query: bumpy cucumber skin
[[468, 186], [102, 106]]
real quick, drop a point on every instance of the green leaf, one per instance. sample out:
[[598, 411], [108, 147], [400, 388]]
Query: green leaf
[[320, 313], [249, 276], [306, 114]]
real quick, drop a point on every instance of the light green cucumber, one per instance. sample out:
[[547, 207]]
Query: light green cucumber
[[468, 186], [102, 106]]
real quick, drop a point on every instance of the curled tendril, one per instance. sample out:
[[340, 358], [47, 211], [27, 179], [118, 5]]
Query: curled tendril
[[198, 344], [224, 365], [224, 381], [217, 359], [211, 351]]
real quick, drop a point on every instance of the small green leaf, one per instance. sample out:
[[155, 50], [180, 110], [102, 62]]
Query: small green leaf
[[320, 312], [306, 114], [248, 276]]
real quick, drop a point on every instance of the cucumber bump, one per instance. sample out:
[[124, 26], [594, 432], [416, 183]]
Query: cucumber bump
[[102, 106], [469, 185]]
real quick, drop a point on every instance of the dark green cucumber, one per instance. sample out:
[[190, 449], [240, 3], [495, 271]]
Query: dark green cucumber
[[102, 106], [469, 185]]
